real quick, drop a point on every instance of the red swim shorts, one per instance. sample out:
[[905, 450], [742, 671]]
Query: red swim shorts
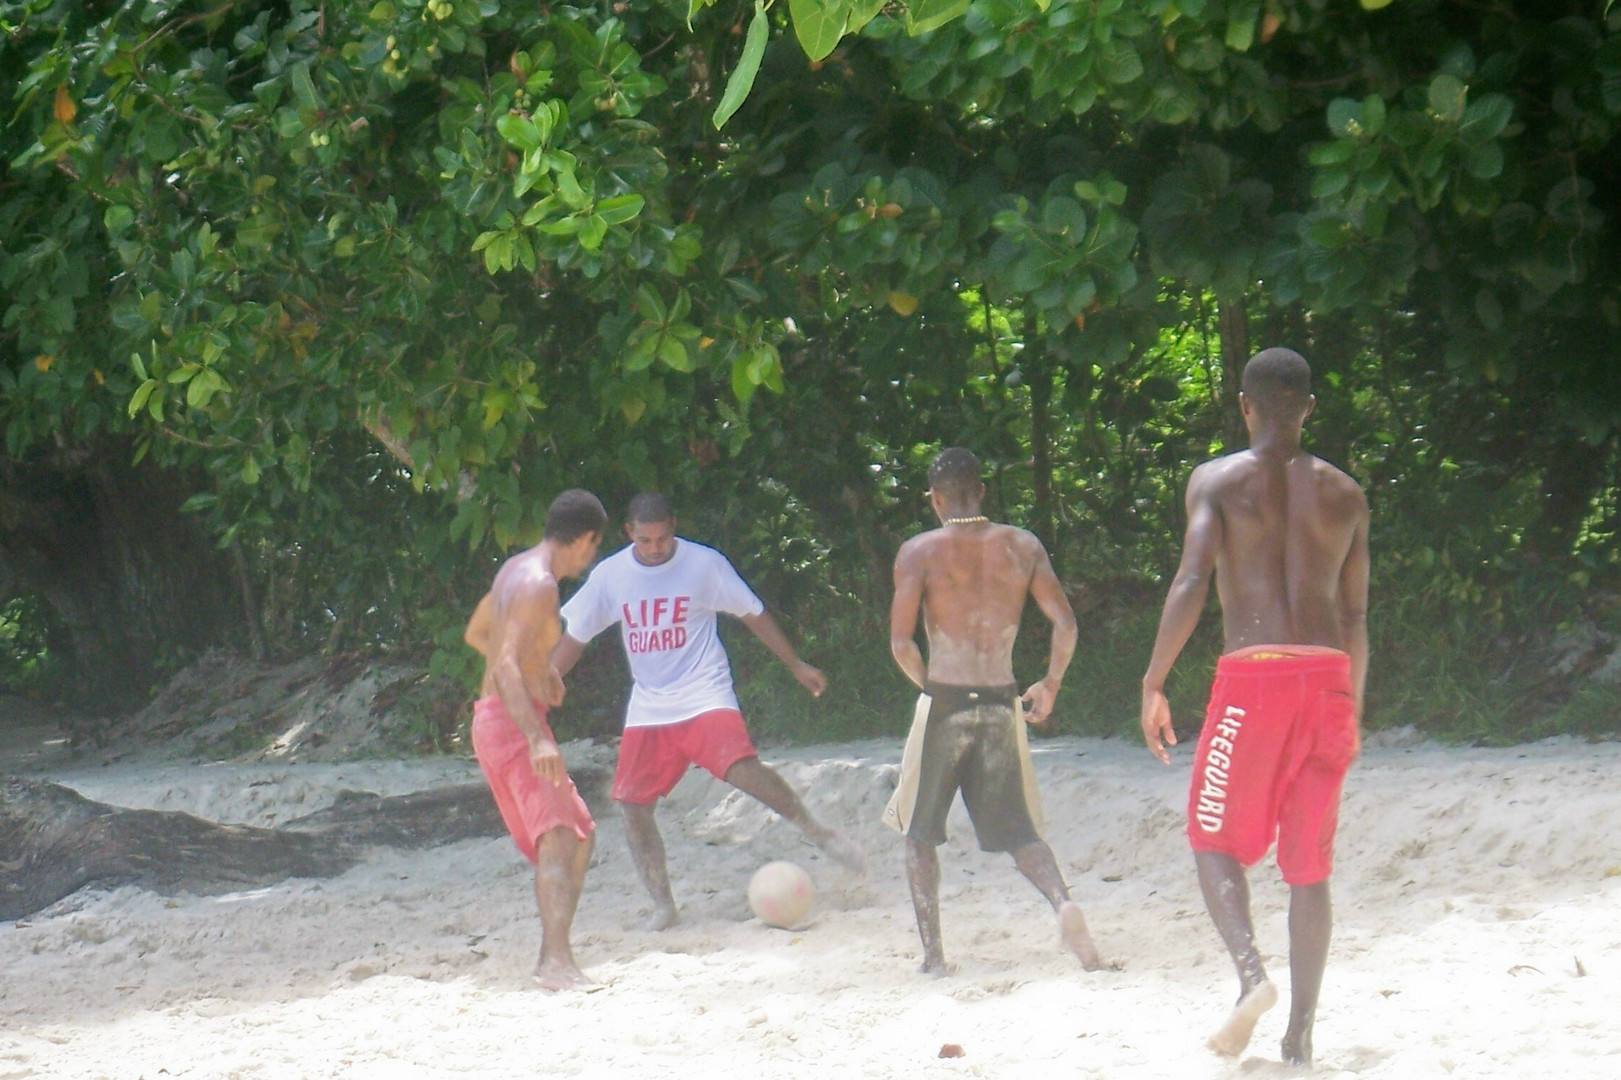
[[1279, 735], [530, 806], [652, 760]]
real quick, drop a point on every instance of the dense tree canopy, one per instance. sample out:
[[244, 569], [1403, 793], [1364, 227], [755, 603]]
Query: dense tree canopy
[[378, 278]]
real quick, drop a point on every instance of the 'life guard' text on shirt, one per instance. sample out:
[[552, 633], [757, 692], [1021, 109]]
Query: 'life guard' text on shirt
[[656, 625]]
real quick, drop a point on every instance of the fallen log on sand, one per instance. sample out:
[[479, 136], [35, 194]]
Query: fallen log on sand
[[54, 841]]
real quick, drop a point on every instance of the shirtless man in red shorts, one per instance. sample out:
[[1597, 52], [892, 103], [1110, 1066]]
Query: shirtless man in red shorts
[[1287, 537], [515, 628], [970, 579]]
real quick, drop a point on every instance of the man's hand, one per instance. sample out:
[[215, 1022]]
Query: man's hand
[[1157, 730], [547, 761], [1038, 701], [810, 678], [553, 685]]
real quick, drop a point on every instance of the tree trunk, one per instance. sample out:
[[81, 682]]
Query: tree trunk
[[54, 841], [1038, 364], [125, 578], [1232, 323], [1332, 349]]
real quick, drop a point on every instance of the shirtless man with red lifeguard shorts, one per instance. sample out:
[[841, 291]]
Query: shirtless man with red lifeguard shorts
[[515, 628], [1287, 537]]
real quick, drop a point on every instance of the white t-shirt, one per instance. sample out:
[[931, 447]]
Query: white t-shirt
[[666, 617]]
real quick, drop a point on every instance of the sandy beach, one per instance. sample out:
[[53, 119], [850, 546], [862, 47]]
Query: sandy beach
[[1478, 910]]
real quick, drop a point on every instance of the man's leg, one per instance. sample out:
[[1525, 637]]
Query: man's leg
[[561, 861], [923, 875], [1035, 861], [647, 852], [1311, 920], [752, 777], [1227, 897]]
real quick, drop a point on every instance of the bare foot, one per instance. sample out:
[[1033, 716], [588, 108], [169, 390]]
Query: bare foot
[[664, 916], [1072, 928], [1297, 1047], [1235, 1033], [844, 851], [562, 975]]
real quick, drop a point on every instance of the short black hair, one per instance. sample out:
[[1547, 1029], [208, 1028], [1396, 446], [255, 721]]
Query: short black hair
[[650, 508], [573, 514], [1276, 377], [954, 474]]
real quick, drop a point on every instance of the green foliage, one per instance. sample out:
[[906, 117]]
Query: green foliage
[[392, 274], [25, 654]]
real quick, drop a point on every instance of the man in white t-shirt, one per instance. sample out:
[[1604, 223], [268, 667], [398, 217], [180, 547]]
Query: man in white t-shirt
[[664, 592]]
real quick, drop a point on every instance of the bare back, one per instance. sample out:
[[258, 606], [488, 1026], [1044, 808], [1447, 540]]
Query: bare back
[[1291, 554], [972, 581]]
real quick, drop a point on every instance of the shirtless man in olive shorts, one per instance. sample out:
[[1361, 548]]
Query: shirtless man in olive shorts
[[1286, 535], [970, 578]]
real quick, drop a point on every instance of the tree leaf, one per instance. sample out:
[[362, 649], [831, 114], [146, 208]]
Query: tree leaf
[[862, 12], [1241, 17], [1486, 117], [819, 24], [620, 208], [304, 88], [1373, 115], [1119, 63], [743, 385], [925, 15], [748, 66], [674, 354], [1337, 152], [1485, 162], [1345, 117], [142, 393], [1448, 98], [520, 131], [1329, 182]]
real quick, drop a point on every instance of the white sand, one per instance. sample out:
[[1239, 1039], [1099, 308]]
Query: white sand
[[1470, 885]]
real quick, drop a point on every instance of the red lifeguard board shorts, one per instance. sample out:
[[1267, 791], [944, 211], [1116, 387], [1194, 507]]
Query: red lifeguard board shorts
[[530, 806], [1279, 735], [653, 759]]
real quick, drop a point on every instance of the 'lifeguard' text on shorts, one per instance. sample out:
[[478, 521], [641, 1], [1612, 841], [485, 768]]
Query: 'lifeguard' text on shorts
[[1212, 806]]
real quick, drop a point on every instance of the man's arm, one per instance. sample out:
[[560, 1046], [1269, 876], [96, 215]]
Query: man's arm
[[532, 616], [903, 610], [764, 627], [477, 633], [1183, 605], [1354, 608], [567, 653], [1049, 596]]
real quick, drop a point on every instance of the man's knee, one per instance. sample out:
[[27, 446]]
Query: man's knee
[[561, 839], [921, 851], [636, 810], [745, 767]]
